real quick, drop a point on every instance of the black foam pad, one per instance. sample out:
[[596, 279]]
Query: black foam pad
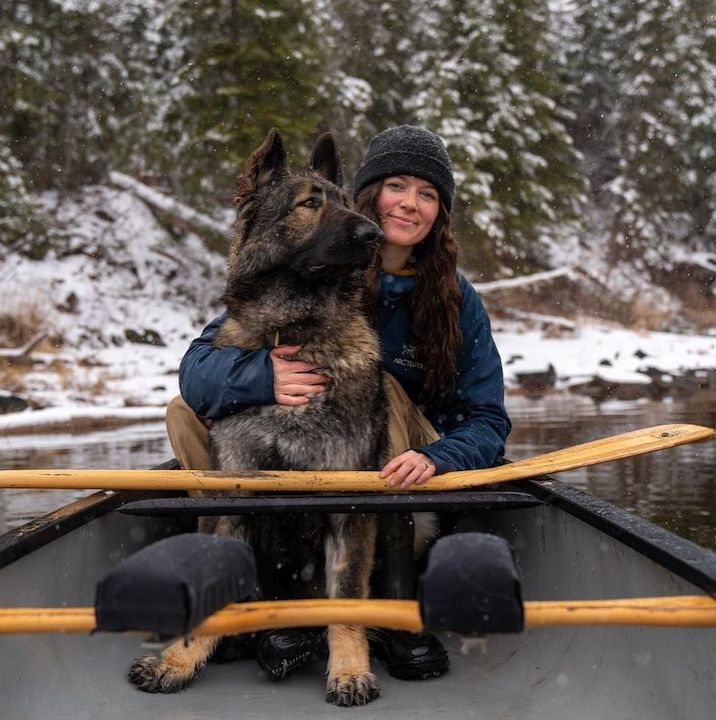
[[172, 585], [470, 586]]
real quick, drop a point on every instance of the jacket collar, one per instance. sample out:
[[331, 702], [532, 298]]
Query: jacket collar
[[393, 286]]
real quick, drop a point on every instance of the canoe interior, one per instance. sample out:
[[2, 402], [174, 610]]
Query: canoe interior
[[549, 673]]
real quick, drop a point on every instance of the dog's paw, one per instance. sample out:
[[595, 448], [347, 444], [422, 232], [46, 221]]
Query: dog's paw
[[155, 675], [347, 690]]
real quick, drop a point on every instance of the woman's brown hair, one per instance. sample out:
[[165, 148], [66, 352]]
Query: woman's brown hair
[[435, 302]]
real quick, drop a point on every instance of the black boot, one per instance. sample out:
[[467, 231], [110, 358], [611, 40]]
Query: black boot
[[280, 652], [407, 656], [410, 656], [236, 647]]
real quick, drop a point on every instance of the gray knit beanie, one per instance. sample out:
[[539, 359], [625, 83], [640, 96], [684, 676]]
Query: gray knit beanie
[[408, 150]]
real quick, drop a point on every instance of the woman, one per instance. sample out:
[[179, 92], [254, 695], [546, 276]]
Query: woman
[[443, 373]]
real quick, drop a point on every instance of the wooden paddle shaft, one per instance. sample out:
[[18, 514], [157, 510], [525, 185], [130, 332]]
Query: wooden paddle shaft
[[679, 611], [615, 447]]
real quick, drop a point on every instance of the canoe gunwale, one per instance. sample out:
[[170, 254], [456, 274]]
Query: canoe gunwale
[[684, 558], [25, 539]]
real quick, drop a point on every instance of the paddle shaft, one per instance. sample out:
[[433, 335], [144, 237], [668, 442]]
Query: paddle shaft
[[678, 611], [615, 447]]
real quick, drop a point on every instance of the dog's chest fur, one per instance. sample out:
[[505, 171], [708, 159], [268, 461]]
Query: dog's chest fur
[[338, 429]]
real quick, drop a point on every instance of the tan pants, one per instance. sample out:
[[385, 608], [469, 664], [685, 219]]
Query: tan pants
[[189, 435]]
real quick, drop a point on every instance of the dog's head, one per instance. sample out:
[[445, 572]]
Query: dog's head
[[298, 221]]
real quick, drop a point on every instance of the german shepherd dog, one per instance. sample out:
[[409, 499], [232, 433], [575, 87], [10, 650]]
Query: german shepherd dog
[[295, 271]]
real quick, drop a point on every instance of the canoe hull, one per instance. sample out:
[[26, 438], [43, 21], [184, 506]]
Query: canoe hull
[[555, 673]]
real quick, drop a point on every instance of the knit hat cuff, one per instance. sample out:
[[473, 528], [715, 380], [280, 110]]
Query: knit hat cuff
[[405, 162]]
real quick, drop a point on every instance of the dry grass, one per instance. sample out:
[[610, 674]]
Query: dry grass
[[20, 324], [699, 307], [63, 372], [561, 297], [645, 314], [12, 377], [97, 386], [21, 320], [584, 300]]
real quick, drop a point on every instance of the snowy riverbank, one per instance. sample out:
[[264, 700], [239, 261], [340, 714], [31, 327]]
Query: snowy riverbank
[[133, 384], [118, 307]]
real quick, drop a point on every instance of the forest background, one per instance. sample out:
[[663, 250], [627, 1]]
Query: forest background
[[583, 134], [585, 124]]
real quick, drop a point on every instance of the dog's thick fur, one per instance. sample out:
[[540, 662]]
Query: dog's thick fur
[[296, 269]]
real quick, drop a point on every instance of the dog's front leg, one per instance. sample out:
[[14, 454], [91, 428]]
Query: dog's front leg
[[175, 669], [180, 663], [350, 546]]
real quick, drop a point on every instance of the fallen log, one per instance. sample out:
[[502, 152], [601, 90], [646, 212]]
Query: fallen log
[[20, 354]]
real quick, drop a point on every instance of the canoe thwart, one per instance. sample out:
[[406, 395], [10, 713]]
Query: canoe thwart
[[248, 617], [344, 503], [171, 586], [469, 587]]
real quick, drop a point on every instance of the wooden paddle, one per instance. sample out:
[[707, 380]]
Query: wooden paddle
[[615, 447], [677, 611]]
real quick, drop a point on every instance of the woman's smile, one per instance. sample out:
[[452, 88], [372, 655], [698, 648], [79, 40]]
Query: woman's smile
[[400, 220], [407, 207]]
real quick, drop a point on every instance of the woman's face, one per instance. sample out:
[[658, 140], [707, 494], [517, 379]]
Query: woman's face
[[407, 207]]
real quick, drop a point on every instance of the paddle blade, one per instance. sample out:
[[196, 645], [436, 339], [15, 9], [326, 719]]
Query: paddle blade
[[614, 447]]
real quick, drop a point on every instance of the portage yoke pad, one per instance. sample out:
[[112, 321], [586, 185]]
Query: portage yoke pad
[[172, 585], [470, 586]]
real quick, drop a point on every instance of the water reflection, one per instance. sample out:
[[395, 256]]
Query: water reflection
[[135, 446], [675, 488]]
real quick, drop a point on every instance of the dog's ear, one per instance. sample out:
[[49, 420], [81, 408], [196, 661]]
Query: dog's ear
[[325, 159], [266, 163]]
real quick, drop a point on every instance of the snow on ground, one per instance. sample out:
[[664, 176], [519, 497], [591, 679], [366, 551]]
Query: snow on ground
[[124, 296], [58, 417], [145, 377], [612, 353], [122, 278], [119, 271]]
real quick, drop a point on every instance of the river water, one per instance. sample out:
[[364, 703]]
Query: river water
[[673, 488]]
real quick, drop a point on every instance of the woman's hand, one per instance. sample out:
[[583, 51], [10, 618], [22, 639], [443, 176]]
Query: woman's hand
[[408, 468], [295, 382]]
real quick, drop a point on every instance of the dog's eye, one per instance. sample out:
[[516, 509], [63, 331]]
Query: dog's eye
[[311, 202]]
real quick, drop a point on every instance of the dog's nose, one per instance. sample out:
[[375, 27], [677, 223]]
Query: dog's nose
[[367, 232]]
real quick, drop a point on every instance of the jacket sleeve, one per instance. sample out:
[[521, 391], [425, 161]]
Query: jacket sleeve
[[473, 422], [216, 382]]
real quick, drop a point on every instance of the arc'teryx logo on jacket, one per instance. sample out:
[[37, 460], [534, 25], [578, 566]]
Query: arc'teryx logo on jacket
[[407, 358]]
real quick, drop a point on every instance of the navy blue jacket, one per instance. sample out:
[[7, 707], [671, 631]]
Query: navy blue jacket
[[472, 421]]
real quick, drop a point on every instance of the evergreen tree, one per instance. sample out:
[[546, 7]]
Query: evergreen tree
[[370, 68], [490, 89], [589, 68], [648, 120], [66, 92], [23, 227], [232, 71]]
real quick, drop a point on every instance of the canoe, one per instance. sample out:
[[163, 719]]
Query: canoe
[[568, 545]]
